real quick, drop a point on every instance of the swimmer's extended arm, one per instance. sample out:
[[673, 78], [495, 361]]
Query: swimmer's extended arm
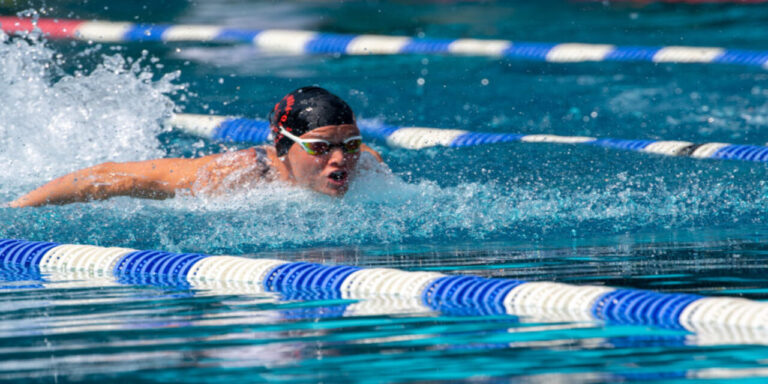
[[156, 179], [375, 154]]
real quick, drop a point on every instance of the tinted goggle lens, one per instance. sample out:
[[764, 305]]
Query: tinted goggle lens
[[317, 148], [352, 146]]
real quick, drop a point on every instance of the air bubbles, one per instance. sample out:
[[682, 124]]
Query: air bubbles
[[484, 82], [420, 81]]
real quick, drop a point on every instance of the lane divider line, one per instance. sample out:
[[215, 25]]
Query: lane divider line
[[240, 130], [463, 294], [309, 42]]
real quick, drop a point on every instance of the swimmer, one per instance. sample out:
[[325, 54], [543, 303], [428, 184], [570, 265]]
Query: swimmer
[[317, 145]]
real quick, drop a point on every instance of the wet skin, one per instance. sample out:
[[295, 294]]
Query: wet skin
[[327, 173], [161, 178]]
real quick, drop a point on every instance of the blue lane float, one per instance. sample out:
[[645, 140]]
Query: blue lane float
[[430, 290], [309, 42], [232, 129]]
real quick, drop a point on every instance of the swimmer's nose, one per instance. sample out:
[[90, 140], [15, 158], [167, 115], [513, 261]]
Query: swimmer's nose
[[336, 157]]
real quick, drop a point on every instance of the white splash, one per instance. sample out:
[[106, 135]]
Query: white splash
[[53, 123]]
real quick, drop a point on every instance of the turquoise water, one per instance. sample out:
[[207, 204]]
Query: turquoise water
[[580, 215]]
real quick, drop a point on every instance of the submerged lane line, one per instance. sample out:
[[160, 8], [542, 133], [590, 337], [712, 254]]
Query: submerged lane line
[[451, 294], [310, 42], [242, 130]]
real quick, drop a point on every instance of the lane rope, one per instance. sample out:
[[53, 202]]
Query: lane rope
[[234, 129], [309, 42], [451, 294]]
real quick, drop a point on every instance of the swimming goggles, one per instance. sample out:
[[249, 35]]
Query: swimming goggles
[[317, 147]]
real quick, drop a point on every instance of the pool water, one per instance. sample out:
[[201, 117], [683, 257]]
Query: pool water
[[548, 212]]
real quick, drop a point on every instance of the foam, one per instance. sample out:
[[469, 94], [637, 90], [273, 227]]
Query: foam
[[54, 123]]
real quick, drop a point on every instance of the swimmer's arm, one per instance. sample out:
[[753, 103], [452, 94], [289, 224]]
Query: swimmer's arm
[[155, 179], [375, 154]]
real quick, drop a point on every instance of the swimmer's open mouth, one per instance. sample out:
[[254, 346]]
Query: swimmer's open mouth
[[339, 177]]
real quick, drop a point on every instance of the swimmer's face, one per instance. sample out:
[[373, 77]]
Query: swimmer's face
[[329, 173]]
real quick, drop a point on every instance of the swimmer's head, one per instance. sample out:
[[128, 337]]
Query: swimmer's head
[[317, 139], [306, 109]]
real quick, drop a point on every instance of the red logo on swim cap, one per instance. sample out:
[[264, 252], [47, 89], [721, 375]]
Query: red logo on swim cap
[[289, 101]]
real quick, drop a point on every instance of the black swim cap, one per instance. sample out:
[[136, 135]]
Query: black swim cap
[[305, 109]]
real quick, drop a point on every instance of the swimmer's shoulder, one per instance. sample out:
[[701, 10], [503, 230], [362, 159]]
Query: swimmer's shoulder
[[224, 171], [259, 154], [254, 158], [267, 156], [369, 150]]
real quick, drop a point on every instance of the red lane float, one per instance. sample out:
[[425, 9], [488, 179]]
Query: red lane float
[[60, 29]]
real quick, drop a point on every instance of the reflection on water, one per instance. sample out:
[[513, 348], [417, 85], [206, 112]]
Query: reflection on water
[[112, 108], [539, 213]]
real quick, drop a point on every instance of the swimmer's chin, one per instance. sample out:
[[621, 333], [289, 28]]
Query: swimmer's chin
[[333, 192]]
